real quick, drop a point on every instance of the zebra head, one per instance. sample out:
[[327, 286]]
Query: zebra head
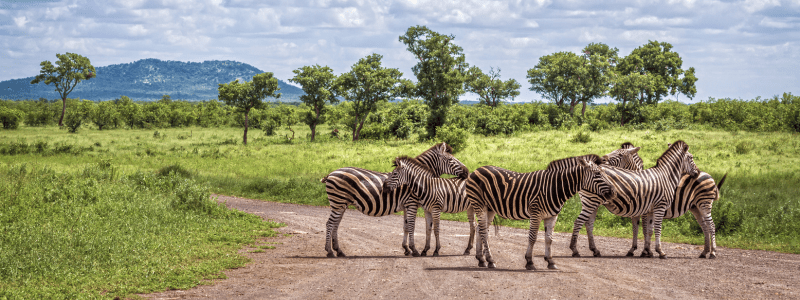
[[597, 181], [405, 170], [679, 153], [626, 157], [440, 160]]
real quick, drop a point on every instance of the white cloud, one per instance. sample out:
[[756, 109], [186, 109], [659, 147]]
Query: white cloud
[[752, 6], [655, 21], [456, 16], [137, 30], [531, 24], [21, 21], [769, 22]]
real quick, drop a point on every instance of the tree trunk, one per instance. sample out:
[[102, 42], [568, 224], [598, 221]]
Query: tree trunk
[[313, 125], [583, 110], [244, 139], [358, 129], [63, 111]]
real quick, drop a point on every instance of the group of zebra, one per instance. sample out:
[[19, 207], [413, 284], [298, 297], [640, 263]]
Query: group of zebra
[[617, 181]]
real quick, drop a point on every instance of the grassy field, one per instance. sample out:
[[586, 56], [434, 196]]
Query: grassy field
[[757, 209]]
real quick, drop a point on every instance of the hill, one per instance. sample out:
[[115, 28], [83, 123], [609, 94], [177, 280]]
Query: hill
[[149, 79]]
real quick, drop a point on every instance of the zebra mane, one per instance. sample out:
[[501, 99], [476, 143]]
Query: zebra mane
[[627, 145], [413, 161], [573, 161], [448, 149], [677, 146]]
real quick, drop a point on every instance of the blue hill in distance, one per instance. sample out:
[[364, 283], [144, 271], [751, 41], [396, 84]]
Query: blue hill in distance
[[148, 80]]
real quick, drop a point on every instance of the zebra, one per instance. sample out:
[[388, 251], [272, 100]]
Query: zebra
[[366, 190], [625, 157], [647, 193], [535, 196], [435, 195]]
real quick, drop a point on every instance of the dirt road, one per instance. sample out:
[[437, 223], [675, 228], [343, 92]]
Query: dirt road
[[376, 268]]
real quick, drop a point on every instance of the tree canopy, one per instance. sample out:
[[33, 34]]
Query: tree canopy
[[70, 69], [249, 94], [664, 66], [490, 88], [367, 84], [441, 71], [318, 84]]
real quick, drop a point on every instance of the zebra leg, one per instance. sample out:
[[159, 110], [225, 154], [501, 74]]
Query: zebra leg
[[486, 252], [647, 227], [428, 227], [587, 211], [658, 217], [482, 232], [406, 250], [436, 215], [332, 235], [701, 220], [590, 234], [635, 225], [534, 230], [471, 217], [549, 224], [713, 234], [411, 216]]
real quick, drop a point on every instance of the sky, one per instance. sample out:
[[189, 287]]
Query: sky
[[740, 49]]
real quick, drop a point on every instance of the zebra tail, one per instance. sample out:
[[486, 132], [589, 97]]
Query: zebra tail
[[496, 224], [721, 181]]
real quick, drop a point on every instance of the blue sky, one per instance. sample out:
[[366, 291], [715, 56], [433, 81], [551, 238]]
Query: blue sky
[[741, 49]]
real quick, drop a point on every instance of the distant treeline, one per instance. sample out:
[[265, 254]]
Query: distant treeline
[[407, 118]]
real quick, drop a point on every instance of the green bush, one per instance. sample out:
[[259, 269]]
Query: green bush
[[744, 147], [581, 137], [11, 117], [453, 136], [727, 217]]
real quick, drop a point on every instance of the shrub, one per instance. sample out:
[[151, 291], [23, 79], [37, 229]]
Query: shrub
[[744, 147], [374, 131], [174, 169], [727, 217], [10, 117], [73, 121], [581, 137], [453, 136], [597, 125]]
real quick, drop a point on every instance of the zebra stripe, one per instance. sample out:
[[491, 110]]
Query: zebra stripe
[[697, 195], [645, 193], [368, 192], [534, 196]]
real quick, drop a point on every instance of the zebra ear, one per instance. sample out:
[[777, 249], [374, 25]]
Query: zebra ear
[[634, 150], [584, 163]]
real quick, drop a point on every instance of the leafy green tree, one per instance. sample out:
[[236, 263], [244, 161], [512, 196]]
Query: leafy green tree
[[210, 113], [557, 77], [596, 72], [249, 94], [84, 109], [105, 115], [627, 89], [11, 117], [70, 69], [318, 85], [441, 72], [367, 84], [490, 88], [130, 113], [664, 66]]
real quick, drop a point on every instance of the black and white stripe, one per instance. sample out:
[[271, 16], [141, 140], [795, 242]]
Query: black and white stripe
[[534, 196], [366, 190], [645, 193]]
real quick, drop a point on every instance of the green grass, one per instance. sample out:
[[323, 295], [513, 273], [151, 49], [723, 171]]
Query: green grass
[[757, 210], [100, 232]]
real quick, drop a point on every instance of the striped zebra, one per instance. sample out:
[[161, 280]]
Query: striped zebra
[[697, 195], [626, 157], [435, 195], [534, 196], [647, 193], [366, 190]]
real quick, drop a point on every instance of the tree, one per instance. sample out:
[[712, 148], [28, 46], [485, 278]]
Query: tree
[[627, 90], [70, 70], [249, 94], [368, 83], [318, 84], [105, 115], [596, 72], [130, 113], [657, 60], [557, 77], [441, 72], [490, 88]]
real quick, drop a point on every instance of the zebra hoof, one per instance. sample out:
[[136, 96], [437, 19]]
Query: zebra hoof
[[407, 253], [530, 267], [702, 255], [576, 254], [482, 264], [466, 252], [435, 253], [712, 256], [331, 255], [629, 254], [492, 265], [341, 254], [552, 266], [424, 253], [597, 254], [662, 256], [415, 254]]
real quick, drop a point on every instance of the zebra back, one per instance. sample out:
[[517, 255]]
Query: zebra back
[[439, 158], [626, 157], [568, 162]]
